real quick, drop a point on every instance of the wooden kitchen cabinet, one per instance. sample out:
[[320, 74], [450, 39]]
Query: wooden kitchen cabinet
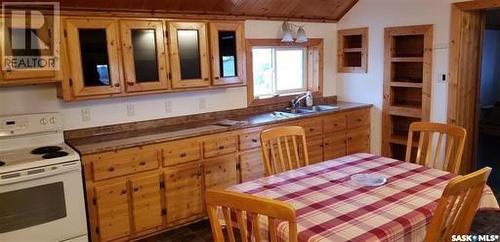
[[251, 165], [220, 171], [93, 55], [178, 152], [189, 56], [219, 145], [112, 205], [145, 62], [358, 140], [183, 191], [146, 202], [228, 52], [315, 149], [334, 145]]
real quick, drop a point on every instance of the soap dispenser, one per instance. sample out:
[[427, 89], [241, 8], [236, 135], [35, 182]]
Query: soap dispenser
[[309, 99]]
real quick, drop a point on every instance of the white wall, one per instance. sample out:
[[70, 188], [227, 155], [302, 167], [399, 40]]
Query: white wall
[[112, 111], [368, 88]]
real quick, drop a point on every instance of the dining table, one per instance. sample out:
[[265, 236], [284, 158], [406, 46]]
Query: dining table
[[332, 207]]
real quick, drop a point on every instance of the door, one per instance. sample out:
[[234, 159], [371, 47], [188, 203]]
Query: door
[[189, 54], [358, 140], [334, 145], [220, 171], [146, 202], [144, 58], [315, 149], [228, 52], [112, 206], [22, 44], [252, 165], [183, 191], [92, 48]]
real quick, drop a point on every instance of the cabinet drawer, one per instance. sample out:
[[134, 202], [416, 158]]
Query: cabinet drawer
[[312, 126], [219, 145], [358, 118], [181, 151], [334, 123], [249, 140], [123, 162]]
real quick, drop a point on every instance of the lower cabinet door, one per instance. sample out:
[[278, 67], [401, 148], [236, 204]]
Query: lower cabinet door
[[183, 191], [220, 171], [252, 165], [315, 149], [335, 145], [146, 202], [112, 206], [358, 140]]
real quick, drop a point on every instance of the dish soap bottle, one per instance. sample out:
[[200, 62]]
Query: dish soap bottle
[[309, 99]]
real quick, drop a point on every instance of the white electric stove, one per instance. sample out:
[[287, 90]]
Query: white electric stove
[[41, 189]]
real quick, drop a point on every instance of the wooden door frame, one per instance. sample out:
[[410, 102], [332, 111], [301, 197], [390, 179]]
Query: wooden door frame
[[467, 27]]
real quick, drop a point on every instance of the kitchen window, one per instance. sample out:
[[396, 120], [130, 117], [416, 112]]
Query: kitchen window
[[278, 71]]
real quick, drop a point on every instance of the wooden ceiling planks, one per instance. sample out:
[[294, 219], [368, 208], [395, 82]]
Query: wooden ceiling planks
[[306, 10]]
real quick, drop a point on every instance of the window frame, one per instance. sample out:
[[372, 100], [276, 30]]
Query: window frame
[[313, 70]]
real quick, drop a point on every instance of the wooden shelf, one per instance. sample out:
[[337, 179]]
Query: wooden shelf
[[401, 140], [406, 111], [407, 59], [407, 84], [350, 50]]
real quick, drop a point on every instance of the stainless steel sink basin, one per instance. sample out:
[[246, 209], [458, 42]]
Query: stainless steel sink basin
[[318, 108], [283, 114]]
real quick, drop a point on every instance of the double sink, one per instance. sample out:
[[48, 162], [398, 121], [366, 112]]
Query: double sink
[[294, 112]]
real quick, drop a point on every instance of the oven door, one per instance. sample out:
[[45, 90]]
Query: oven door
[[43, 204]]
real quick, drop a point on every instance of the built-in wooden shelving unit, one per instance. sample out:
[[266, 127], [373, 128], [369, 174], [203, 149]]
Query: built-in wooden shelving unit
[[407, 85], [353, 50]]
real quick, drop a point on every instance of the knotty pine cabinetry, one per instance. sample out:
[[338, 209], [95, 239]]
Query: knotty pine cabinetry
[[107, 56], [138, 191]]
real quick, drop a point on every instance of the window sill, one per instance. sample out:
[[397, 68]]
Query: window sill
[[280, 99]]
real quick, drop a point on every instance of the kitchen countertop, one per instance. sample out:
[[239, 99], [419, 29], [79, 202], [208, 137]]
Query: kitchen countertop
[[134, 138]]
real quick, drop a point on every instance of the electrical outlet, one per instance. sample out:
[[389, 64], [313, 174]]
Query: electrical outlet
[[86, 114], [168, 106], [202, 103], [130, 110]]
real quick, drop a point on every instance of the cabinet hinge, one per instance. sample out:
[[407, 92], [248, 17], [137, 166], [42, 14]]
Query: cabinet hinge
[[70, 82], [162, 184], [94, 201], [97, 230], [163, 211], [238, 166], [65, 34], [170, 76]]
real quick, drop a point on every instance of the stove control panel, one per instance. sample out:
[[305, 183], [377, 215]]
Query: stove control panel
[[30, 124]]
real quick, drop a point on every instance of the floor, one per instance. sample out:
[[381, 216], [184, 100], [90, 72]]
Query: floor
[[487, 222], [488, 154]]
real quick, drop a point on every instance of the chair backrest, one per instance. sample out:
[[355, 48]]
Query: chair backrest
[[445, 153], [284, 148], [248, 210], [457, 206]]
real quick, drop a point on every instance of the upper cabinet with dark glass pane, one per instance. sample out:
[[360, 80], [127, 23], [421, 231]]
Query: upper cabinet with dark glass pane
[[189, 54], [93, 55], [29, 49], [144, 58], [228, 55]]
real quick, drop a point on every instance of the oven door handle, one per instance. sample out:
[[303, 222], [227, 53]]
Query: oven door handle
[[52, 170]]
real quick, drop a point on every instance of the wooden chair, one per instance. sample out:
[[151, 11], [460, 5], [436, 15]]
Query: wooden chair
[[284, 148], [430, 153], [457, 206], [251, 208]]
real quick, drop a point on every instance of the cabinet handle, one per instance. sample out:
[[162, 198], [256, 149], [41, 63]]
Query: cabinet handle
[[111, 169], [359, 120], [117, 84], [216, 77], [130, 83], [335, 125], [205, 79], [221, 147], [254, 140], [142, 163], [123, 192], [136, 189], [183, 155]]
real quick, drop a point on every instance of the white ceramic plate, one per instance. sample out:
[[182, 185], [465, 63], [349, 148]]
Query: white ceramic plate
[[370, 180]]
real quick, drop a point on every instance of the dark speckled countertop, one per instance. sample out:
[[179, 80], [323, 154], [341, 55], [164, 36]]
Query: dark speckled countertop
[[127, 139]]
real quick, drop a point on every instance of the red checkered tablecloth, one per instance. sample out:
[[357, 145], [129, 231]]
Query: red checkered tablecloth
[[330, 207]]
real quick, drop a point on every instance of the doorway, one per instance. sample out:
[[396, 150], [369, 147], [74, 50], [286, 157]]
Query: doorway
[[488, 133]]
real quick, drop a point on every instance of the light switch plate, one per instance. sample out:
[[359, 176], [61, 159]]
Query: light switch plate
[[86, 115], [130, 110]]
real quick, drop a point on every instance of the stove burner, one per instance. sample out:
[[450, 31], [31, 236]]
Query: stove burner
[[55, 154], [45, 150], [2, 163]]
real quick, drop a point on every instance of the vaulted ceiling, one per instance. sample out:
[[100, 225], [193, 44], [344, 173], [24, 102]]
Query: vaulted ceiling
[[305, 10]]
